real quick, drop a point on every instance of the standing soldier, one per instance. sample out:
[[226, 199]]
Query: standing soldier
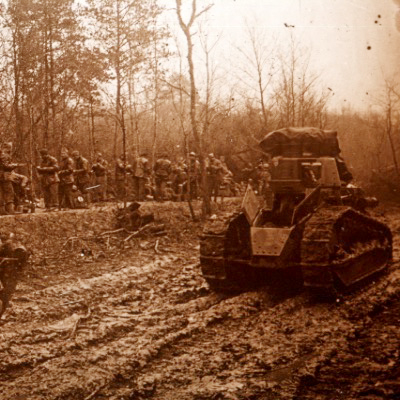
[[81, 175], [7, 179], [49, 179], [162, 170], [179, 180], [66, 174], [121, 169], [7, 190], [194, 175], [141, 174], [215, 172], [99, 169]]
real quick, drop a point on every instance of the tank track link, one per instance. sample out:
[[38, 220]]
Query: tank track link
[[342, 247]]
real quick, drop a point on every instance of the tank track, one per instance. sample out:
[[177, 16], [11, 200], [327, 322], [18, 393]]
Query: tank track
[[224, 272], [342, 247]]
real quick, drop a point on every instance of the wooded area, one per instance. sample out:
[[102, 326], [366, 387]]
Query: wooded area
[[110, 76]]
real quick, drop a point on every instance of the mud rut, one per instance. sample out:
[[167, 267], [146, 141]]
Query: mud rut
[[148, 327]]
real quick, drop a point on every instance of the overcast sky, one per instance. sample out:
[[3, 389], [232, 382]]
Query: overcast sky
[[354, 43]]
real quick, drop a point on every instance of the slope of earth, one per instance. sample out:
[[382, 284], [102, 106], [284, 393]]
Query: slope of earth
[[144, 325]]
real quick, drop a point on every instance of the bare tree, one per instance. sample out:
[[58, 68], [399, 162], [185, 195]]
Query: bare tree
[[258, 68], [390, 103], [186, 29], [299, 100]]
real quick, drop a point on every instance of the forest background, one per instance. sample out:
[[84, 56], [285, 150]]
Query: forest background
[[108, 75]]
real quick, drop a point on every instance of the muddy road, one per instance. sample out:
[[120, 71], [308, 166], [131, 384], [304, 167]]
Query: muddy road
[[143, 324]]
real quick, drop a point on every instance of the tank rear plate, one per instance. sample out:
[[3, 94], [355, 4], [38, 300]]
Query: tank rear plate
[[269, 241]]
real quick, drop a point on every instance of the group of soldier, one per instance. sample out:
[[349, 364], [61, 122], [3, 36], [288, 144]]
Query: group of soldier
[[72, 182], [169, 180]]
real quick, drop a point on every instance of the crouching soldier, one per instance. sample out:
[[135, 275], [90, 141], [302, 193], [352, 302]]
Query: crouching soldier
[[21, 189], [13, 257]]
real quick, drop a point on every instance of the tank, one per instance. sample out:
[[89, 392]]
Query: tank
[[316, 233], [13, 257]]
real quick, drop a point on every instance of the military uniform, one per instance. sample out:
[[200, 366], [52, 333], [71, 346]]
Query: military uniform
[[6, 185], [66, 174], [20, 185], [215, 174], [194, 176], [81, 175], [100, 173], [179, 181], [162, 171], [49, 180], [121, 169], [141, 175]]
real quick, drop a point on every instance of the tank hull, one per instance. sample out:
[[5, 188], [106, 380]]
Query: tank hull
[[331, 249]]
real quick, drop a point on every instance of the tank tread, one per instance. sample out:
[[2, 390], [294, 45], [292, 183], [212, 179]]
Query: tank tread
[[341, 247], [214, 261]]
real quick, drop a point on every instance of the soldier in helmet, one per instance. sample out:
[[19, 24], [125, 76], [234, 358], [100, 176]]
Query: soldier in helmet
[[7, 191], [141, 174], [194, 175], [162, 171], [122, 168], [215, 173], [48, 171], [82, 175], [21, 191], [99, 169], [66, 174]]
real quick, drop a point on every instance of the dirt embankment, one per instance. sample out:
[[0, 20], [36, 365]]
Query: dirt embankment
[[139, 322]]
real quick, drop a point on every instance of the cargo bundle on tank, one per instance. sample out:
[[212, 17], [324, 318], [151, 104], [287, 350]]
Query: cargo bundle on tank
[[316, 233]]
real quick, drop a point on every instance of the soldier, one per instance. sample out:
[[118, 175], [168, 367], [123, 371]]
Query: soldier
[[142, 172], [228, 183], [215, 173], [13, 184], [162, 170], [99, 169], [121, 170], [49, 179], [194, 175], [179, 180], [263, 177], [81, 175], [7, 190], [66, 174], [21, 188]]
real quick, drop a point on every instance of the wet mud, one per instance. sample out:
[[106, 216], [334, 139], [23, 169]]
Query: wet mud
[[143, 324]]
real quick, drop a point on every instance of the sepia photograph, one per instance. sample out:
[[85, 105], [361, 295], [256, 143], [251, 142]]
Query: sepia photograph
[[200, 199]]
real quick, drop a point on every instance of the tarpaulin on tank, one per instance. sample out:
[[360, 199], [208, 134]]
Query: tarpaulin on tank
[[316, 141]]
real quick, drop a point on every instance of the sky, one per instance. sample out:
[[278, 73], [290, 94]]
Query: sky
[[354, 44]]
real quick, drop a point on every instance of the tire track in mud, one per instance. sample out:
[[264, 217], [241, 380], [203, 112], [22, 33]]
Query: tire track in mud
[[254, 347], [151, 329], [123, 319]]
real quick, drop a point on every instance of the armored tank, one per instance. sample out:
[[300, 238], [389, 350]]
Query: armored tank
[[13, 257], [315, 234]]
